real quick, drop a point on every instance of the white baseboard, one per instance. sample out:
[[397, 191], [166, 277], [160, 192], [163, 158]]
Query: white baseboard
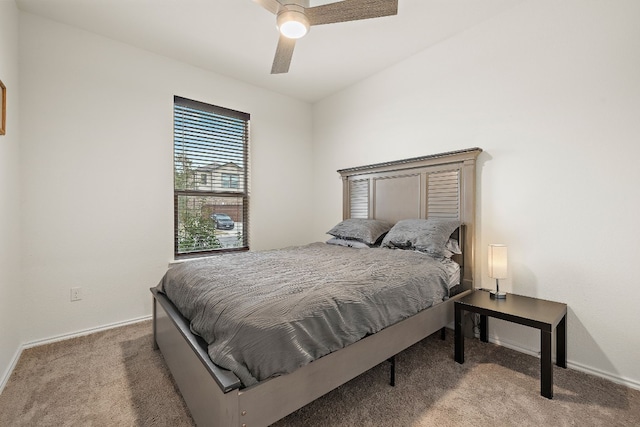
[[514, 346], [12, 366], [628, 382], [16, 357], [83, 332]]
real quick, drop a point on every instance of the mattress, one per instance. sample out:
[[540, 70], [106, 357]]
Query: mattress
[[268, 313]]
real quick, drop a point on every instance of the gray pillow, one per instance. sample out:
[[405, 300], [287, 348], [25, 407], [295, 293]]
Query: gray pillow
[[424, 235], [363, 230], [348, 243]]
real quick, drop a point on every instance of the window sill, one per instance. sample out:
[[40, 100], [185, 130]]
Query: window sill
[[204, 256], [180, 261]]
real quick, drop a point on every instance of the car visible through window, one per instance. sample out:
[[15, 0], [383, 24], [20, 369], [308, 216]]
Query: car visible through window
[[223, 221]]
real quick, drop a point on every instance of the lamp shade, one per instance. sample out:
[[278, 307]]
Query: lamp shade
[[497, 261]]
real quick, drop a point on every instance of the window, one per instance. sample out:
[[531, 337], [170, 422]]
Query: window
[[230, 181], [211, 197]]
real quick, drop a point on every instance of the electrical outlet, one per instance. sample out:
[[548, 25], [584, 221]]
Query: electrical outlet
[[76, 294]]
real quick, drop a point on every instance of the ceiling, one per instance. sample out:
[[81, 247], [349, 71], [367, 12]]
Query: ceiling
[[237, 38]]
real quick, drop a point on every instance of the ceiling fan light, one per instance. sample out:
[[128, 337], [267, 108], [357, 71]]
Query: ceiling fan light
[[293, 24]]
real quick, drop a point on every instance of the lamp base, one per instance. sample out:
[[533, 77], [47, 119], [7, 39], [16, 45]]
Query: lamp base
[[498, 294]]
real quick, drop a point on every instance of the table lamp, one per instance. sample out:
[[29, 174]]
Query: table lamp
[[498, 267]]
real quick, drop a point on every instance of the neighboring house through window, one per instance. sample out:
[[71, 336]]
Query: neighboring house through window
[[211, 198]]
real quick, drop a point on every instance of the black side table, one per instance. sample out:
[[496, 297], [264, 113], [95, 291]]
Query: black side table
[[541, 314]]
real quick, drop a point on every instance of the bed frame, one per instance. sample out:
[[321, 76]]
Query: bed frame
[[435, 186]]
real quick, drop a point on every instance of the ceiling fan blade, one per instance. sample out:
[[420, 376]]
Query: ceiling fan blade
[[272, 6], [351, 10], [284, 52]]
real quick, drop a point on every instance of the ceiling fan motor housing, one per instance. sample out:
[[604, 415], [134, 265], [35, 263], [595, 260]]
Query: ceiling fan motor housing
[[292, 21]]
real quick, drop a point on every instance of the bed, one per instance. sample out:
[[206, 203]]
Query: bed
[[439, 187]]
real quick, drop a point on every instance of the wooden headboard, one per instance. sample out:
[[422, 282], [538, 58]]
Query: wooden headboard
[[436, 186]]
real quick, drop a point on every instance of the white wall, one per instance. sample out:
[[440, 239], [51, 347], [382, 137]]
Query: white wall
[[10, 294], [97, 174], [551, 91]]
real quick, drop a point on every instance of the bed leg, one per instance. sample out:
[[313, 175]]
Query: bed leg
[[392, 380], [443, 334]]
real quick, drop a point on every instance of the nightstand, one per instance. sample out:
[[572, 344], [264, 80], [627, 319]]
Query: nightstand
[[536, 313]]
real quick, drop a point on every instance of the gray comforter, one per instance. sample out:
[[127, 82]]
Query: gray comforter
[[267, 313]]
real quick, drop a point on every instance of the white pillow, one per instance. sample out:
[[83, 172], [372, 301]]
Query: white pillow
[[452, 248]]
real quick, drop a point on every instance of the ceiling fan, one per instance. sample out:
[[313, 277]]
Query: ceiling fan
[[294, 17]]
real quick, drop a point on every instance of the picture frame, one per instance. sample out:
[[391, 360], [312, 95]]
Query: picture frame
[[3, 106]]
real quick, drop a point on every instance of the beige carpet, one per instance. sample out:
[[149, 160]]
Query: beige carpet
[[115, 378]]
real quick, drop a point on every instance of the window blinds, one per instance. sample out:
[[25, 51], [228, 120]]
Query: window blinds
[[211, 152]]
